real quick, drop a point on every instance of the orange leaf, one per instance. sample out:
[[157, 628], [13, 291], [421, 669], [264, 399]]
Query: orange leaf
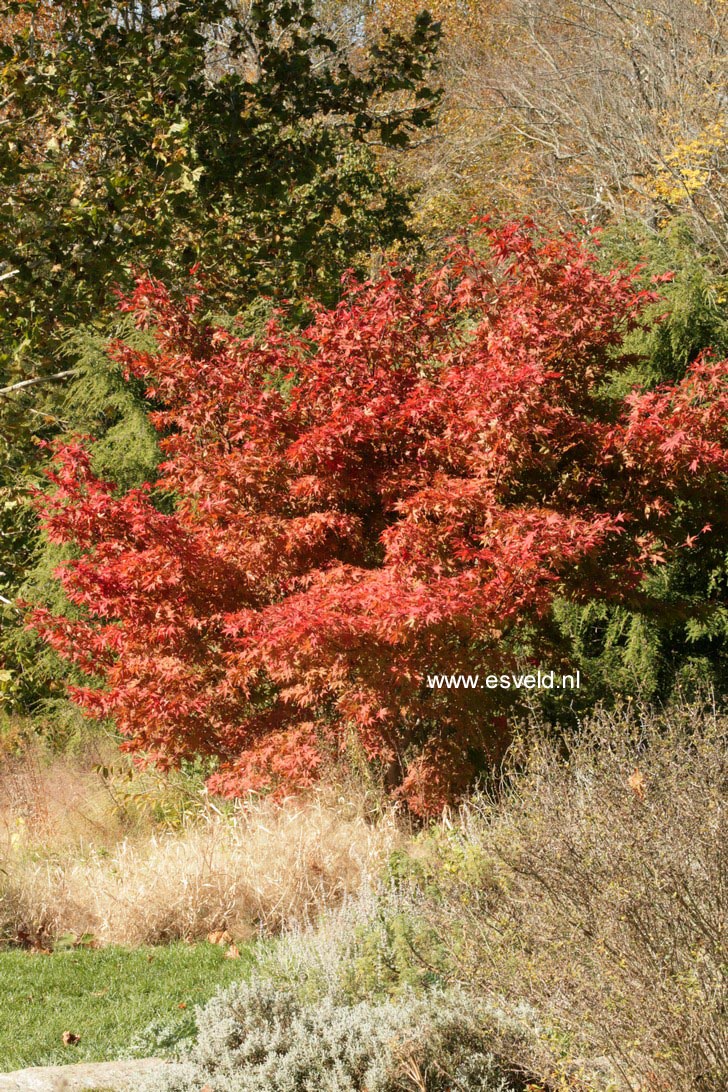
[[219, 936], [637, 783]]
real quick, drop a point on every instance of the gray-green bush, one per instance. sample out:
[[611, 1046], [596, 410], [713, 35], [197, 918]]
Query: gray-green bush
[[255, 1037]]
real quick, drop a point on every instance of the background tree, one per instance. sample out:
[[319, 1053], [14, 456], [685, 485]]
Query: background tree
[[154, 137], [623, 651], [594, 110]]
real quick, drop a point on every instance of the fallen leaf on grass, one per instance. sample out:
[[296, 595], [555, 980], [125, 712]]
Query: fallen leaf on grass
[[219, 936], [70, 1038], [232, 952]]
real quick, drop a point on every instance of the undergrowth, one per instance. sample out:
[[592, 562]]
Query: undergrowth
[[578, 914]]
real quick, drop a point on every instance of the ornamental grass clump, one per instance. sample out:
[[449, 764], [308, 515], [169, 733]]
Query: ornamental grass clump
[[256, 870]]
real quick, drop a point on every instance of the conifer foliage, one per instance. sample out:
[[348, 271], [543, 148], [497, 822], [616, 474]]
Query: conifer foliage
[[403, 488]]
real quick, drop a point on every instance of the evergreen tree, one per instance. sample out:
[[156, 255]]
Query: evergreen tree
[[679, 637]]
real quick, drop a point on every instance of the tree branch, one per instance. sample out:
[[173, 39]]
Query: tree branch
[[39, 379]]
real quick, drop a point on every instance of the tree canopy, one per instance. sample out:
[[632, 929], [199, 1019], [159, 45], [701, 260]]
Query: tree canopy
[[412, 484], [153, 136]]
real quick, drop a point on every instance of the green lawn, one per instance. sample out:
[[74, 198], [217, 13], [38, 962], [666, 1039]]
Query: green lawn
[[105, 996]]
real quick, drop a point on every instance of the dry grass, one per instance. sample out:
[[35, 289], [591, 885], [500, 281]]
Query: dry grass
[[55, 801], [72, 860]]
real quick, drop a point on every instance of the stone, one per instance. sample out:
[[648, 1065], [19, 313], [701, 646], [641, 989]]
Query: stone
[[84, 1077]]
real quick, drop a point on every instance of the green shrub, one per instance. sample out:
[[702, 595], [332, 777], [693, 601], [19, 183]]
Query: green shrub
[[678, 640], [391, 954]]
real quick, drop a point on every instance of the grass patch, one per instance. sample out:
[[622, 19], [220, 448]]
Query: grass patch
[[105, 996]]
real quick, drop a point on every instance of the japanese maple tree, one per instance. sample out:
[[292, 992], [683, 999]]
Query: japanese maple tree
[[403, 488]]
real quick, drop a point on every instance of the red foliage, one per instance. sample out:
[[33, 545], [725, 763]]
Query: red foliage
[[403, 488]]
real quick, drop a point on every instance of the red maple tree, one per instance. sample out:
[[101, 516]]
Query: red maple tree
[[401, 489]]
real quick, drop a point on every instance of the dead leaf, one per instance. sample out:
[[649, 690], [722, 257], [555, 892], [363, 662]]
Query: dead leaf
[[232, 952], [70, 1038], [637, 783], [219, 936], [182, 1005]]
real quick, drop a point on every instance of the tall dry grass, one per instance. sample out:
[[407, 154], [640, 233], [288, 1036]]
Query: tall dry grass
[[77, 857], [58, 800]]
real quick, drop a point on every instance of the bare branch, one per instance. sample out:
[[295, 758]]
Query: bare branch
[[38, 379]]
